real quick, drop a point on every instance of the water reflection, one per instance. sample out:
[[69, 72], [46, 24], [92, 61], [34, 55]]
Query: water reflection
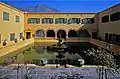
[[45, 50], [52, 58]]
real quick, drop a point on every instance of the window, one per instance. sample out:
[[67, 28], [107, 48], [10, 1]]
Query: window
[[60, 20], [12, 36], [92, 20], [17, 19], [73, 20], [105, 19], [6, 16], [21, 35], [33, 20], [47, 20], [115, 16], [88, 21]]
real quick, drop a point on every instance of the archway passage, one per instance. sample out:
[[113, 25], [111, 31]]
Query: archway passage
[[50, 33], [61, 34], [40, 33], [28, 35], [72, 33], [83, 33]]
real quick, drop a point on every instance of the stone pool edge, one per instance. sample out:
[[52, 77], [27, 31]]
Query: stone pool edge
[[11, 48]]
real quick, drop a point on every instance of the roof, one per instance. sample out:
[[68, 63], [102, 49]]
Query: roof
[[110, 7], [58, 13], [4, 4]]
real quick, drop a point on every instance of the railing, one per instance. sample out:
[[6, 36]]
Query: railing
[[70, 39], [78, 39], [43, 38]]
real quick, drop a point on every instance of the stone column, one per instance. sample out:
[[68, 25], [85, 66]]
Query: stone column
[[56, 34], [66, 34], [45, 34]]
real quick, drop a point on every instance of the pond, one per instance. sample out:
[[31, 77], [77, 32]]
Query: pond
[[35, 52]]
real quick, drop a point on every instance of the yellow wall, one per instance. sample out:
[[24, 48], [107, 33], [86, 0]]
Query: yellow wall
[[56, 27], [111, 27], [11, 26]]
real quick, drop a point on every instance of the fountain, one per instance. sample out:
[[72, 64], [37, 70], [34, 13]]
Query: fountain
[[60, 48]]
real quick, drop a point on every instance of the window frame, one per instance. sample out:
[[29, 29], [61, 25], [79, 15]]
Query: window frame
[[12, 38], [17, 19], [114, 16], [33, 21], [47, 21], [105, 19], [21, 36], [6, 16]]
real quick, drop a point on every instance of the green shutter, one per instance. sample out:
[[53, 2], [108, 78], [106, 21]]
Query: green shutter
[[21, 35], [12, 36]]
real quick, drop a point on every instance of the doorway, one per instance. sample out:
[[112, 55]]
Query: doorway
[[28, 35], [61, 34], [106, 36]]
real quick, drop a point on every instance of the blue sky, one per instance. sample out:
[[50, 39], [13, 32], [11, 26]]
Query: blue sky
[[67, 5]]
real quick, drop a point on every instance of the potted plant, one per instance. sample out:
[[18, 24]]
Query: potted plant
[[4, 42], [15, 40]]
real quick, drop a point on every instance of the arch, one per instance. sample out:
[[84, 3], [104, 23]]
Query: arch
[[61, 34], [72, 33], [50, 33], [40, 33], [83, 33]]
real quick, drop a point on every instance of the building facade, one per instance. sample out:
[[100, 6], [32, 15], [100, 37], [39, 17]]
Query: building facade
[[11, 23], [54, 24], [109, 24], [15, 24]]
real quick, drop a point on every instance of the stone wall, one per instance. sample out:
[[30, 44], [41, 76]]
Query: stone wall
[[111, 47]]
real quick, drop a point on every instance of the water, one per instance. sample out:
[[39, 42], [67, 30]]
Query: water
[[35, 52]]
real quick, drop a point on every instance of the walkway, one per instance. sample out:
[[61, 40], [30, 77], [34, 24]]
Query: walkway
[[11, 48]]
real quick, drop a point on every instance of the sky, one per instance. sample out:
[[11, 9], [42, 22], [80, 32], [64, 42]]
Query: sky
[[67, 5]]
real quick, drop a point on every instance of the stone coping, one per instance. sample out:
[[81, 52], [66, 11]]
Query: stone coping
[[53, 66]]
